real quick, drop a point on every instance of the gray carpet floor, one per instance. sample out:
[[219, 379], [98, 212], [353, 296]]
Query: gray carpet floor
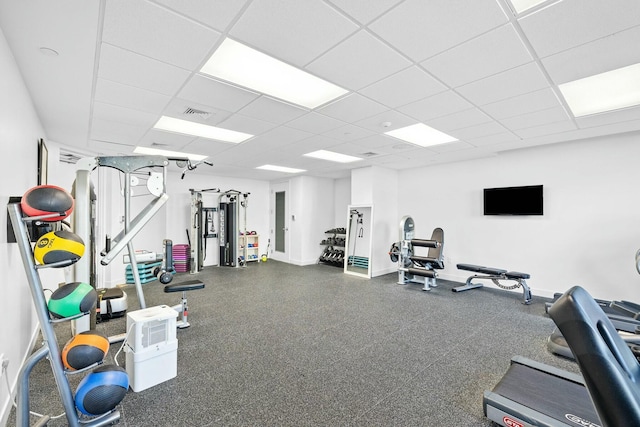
[[274, 344]]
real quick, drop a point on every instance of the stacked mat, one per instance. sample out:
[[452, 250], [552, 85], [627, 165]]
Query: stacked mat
[[181, 254], [145, 270]]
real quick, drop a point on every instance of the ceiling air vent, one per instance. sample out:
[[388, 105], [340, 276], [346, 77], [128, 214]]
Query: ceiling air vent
[[369, 154], [195, 112], [71, 157]]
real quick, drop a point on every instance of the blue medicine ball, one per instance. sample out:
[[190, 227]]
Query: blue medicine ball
[[102, 390]]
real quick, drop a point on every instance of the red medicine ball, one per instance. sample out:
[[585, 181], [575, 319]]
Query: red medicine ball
[[45, 200]]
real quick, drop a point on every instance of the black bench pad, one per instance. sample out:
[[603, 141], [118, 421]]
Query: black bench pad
[[189, 285], [517, 275], [423, 259], [422, 272], [482, 269]]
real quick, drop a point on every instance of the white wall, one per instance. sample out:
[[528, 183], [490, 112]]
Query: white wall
[[311, 211], [20, 130], [588, 235], [341, 199]]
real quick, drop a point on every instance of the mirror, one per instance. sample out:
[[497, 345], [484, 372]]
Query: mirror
[[357, 259]]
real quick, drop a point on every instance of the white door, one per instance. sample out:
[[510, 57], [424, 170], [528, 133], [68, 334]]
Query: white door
[[280, 222]]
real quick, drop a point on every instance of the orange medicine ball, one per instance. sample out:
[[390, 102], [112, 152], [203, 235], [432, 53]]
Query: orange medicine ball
[[84, 350]]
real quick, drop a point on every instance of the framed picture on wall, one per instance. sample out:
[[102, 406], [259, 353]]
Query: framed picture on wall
[[43, 159]]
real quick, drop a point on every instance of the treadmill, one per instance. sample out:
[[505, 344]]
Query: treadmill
[[606, 395]]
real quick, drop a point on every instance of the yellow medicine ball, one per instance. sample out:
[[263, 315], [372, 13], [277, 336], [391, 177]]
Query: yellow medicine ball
[[57, 246]]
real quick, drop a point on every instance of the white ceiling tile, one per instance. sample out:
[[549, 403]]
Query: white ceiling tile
[[135, 70], [278, 137], [145, 28], [352, 107], [116, 132], [462, 119], [438, 105], [108, 148], [348, 133], [522, 104], [553, 128], [571, 23], [421, 29], [451, 147], [246, 124], [307, 145], [118, 114], [484, 129], [293, 31], [207, 91], [404, 87], [207, 147], [608, 53], [537, 118], [517, 81], [217, 14], [393, 118], [493, 52], [114, 93], [491, 140], [315, 123], [271, 110], [350, 149], [358, 61], [168, 140], [364, 10], [378, 141]]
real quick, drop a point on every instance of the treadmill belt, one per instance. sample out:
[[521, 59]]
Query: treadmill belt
[[548, 394]]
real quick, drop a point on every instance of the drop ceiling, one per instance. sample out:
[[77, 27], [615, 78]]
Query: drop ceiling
[[475, 70]]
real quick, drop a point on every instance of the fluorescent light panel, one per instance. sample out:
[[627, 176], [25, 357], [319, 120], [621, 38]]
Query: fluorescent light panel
[[167, 153], [280, 169], [186, 127], [603, 92], [244, 66], [521, 5], [332, 156], [421, 134]]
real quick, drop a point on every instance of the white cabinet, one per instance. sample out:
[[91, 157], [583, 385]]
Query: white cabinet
[[249, 248]]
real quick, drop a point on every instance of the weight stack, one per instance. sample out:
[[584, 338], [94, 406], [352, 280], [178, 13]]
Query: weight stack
[[181, 254]]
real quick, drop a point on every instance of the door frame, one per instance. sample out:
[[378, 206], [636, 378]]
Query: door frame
[[276, 188]]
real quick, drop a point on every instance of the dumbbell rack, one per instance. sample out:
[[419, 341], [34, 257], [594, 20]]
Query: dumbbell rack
[[50, 348]]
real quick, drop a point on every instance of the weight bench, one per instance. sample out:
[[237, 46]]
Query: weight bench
[[182, 308], [495, 275]]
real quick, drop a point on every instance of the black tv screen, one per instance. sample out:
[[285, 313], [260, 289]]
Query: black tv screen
[[513, 200]]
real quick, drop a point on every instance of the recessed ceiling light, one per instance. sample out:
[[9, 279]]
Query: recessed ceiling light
[[167, 153], [332, 156], [280, 169], [421, 134], [186, 127], [603, 92], [244, 66]]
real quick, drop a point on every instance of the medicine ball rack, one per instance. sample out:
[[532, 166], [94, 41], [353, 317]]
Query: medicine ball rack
[[50, 348]]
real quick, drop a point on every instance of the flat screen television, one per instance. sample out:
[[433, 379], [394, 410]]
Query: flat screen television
[[525, 200]]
